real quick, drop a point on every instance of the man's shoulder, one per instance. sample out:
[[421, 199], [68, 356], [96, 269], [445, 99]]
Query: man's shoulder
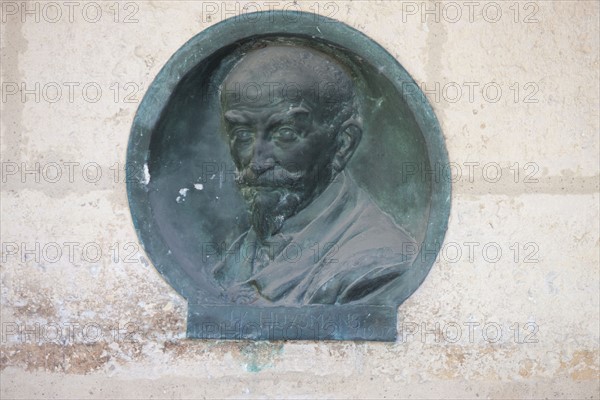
[[371, 255]]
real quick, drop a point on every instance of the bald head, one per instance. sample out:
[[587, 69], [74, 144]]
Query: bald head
[[295, 74]]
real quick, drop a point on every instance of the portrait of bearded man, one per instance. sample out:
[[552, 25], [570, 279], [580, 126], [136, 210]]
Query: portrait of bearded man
[[290, 116]]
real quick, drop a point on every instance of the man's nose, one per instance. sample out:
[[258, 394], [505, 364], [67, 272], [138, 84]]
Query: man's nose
[[262, 156]]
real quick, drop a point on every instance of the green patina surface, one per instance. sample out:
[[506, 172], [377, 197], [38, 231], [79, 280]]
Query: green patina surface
[[176, 145]]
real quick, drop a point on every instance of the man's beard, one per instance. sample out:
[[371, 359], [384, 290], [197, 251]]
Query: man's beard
[[273, 197]]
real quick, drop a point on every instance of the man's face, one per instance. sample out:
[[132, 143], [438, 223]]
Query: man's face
[[283, 153]]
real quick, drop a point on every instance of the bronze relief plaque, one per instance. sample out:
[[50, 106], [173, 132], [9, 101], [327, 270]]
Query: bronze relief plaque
[[280, 180]]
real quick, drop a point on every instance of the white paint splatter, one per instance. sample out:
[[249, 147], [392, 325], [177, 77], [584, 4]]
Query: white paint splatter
[[146, 179], [182, 194]]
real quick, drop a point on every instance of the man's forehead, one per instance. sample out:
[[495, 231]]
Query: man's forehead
[[247, 76], [275, 89], [246, 113]]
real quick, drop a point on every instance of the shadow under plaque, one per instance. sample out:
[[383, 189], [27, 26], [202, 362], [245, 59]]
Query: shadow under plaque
[[288, 178]]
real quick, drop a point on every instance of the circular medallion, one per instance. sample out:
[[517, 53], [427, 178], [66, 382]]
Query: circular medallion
[[286, 159]]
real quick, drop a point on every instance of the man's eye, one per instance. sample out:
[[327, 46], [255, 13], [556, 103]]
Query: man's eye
[[285, 134], [242, 134]]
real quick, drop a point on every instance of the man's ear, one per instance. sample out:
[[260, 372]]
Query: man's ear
[[348, 139]]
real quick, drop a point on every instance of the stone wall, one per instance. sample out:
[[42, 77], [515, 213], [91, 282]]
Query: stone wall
[[510, 309]]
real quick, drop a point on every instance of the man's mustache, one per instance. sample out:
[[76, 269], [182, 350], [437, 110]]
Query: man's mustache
[[275, 176]]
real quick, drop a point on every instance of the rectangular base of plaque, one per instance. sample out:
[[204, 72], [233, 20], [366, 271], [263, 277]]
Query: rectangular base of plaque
[[314, 322]]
